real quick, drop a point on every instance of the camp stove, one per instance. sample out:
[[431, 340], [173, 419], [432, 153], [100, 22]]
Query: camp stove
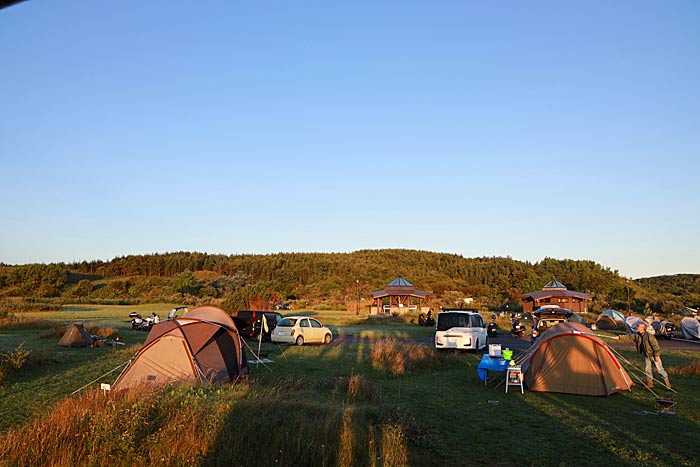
[[666, 406]]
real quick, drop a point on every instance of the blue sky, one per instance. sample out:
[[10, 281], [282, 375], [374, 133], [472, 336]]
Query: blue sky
[[509, 128]]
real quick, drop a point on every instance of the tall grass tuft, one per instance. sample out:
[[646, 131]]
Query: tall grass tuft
[[243, 424], [12, 321], [393, 357], [692, 368]]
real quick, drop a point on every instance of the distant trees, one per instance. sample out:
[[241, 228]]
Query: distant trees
[[330, 278], [185, 283], [83, 288]]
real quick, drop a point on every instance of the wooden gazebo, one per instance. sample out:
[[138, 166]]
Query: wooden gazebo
[[556, 293], [401, 297]]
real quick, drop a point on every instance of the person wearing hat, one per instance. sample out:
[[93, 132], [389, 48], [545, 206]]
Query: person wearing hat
[[648, 347]]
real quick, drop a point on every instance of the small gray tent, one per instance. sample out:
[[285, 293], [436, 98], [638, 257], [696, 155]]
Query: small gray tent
[[76, 336]]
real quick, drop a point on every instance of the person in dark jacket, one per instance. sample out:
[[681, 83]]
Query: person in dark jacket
[[648, 347]]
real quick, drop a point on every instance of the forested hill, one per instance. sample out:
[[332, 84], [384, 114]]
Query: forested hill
[[327, 279]]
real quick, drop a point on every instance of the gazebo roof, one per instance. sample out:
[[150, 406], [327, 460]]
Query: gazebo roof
[[554, 285], [400, 286], [555, 289], [400, 282]]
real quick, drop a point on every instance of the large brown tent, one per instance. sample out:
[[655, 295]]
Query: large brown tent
[[569, 359], [202, 345], [76, 336]]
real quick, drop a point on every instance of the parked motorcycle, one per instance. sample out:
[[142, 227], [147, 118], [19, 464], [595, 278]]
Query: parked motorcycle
[[140, 324], [664, 329], [492, 329], [517, 329]]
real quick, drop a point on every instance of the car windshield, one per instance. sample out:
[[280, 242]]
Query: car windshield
[[452, 320], [287, 322]]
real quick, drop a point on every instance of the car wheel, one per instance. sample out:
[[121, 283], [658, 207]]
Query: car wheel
[[327, 339], [300, 340]]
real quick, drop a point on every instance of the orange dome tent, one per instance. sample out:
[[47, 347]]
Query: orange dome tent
[[202, 345], [569, 359]]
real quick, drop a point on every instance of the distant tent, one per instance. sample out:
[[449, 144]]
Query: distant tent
[[576, 318], [569, 359], [611, 320], [631, 323], [690, 328], [202, 345], [76, 336]]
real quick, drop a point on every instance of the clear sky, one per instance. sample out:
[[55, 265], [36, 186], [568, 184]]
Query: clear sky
[[482, 128]]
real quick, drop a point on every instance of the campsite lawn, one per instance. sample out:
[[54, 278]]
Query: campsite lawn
[[448, 415]]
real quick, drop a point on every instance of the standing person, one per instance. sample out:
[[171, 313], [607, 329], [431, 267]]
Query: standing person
[[648, 347]]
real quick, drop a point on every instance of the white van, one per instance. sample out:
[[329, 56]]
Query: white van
[[460, 330]]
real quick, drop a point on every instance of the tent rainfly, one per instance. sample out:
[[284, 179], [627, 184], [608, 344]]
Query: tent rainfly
[[202, 345], [569, 359], [76, 336]]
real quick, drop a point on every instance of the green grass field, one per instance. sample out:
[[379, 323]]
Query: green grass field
[[421, 408]]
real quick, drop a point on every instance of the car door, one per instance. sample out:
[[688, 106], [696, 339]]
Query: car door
[[317, 329], [305, 329], [480, 329]]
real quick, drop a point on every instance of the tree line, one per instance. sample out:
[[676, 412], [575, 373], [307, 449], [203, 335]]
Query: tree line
[[332, 279]]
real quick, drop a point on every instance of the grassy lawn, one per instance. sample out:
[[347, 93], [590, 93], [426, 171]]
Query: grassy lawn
[[447, 415]]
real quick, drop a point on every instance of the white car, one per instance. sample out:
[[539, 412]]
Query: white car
[[460, 330], [300, 330]]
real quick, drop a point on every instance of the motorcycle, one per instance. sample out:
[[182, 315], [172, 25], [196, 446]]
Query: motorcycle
[[492, 329], [517, 329], [140, 324], [664, 329]]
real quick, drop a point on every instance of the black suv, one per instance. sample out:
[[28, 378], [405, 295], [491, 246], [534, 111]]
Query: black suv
[[250, 322]]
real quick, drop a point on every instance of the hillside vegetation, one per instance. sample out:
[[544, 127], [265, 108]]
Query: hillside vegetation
[[330, 280]]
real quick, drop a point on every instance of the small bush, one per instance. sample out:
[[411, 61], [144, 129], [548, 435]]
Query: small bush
[[12, 361]]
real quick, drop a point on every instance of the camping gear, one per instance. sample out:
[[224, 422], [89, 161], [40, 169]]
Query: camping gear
[[76, 336], [490, 364], [202, 345], [494, 350], [514, 377], [690, 328], [507, 354], [569, 359], [664, 329], [666, 406], [611, 320]]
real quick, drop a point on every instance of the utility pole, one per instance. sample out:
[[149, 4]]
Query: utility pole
[[628, 297]]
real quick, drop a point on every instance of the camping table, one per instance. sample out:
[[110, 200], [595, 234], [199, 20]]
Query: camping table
[[490, 363]]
